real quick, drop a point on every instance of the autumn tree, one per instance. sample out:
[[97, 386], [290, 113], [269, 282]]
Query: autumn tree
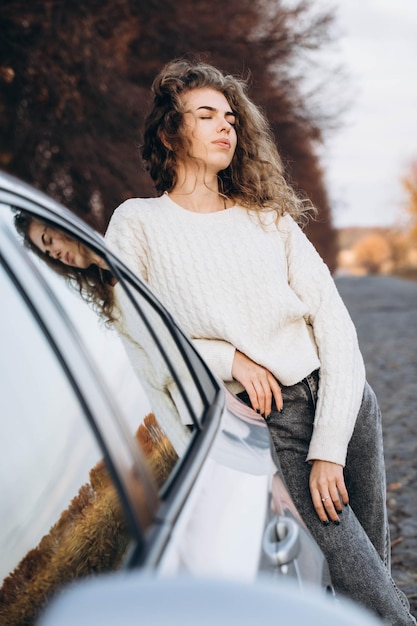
[[75, 83], [404, 237], [409, 182], [373, 253]]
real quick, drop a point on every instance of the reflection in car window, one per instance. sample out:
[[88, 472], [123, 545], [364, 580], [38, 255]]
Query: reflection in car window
[[167, 375], [61, 517], [130, 343]]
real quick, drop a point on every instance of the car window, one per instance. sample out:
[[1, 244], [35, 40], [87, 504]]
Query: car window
[[61, 517], [139, 361]]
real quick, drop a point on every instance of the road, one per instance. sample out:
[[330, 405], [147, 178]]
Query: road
[[384, 310]]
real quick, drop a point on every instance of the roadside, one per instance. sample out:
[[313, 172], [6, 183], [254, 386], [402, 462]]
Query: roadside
[[384, 310]]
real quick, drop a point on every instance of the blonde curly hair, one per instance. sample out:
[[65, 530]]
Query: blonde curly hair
[[255, 176]]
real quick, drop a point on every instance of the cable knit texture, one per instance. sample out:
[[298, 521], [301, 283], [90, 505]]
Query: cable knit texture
[[233, 279], [160, 389]]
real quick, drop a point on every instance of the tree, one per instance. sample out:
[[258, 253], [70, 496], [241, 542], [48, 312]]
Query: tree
[[75, 83], [409, 182], [373, 253]]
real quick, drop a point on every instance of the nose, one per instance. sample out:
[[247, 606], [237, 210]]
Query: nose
[[224, 125], [55, 252]]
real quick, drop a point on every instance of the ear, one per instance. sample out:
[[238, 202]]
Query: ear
[[164, 140]]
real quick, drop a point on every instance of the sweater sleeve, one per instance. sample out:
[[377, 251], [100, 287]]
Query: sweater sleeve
[[126, 236], [153, 375], [342, 372], [218, 355]]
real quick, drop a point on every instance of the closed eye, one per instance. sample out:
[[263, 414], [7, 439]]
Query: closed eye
[[231, 120], [47, 242], [230, 116]]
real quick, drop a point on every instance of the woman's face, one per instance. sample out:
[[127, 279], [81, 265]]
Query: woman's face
[[57, 245], [209, 126]]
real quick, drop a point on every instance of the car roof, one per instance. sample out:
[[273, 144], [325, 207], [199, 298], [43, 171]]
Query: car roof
[[135, 598]]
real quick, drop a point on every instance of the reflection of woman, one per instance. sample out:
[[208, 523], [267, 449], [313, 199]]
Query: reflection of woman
[[83, 269], [221, 247], [89, 274]]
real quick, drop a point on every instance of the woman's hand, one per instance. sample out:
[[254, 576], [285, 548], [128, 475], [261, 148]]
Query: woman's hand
[[328, 490], [261, 386]]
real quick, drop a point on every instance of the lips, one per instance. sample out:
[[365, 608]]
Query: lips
[[223, 143]]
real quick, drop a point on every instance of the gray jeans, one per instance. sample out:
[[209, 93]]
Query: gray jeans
[[358, 550]]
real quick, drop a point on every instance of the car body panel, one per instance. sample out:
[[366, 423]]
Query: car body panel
[[132, 598]]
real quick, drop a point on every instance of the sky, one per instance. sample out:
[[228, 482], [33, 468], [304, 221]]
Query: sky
[[365, 159]]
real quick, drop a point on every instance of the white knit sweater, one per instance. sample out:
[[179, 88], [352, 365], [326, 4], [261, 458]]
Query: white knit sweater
[[233, 282]]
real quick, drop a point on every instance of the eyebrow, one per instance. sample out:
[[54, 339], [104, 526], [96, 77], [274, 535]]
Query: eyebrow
[[214, 110]]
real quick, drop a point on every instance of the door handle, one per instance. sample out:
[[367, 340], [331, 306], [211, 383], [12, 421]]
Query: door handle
[[281, 542]]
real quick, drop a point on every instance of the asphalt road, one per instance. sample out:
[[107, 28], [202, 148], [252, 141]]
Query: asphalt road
[[384, 310]]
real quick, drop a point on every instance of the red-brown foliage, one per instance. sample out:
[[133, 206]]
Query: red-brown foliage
[[75, 83]]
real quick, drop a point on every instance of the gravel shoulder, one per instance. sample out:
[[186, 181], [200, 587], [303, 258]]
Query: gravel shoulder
[[384, 310]]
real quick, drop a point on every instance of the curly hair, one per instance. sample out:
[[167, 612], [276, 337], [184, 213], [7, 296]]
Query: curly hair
[[255, 176], [93, 283]]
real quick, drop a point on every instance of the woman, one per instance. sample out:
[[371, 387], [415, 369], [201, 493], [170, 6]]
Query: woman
[[221, 247]]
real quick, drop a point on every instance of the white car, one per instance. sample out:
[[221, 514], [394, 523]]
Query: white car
[[123, 455]]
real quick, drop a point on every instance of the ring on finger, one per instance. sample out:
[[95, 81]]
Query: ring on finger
[[324, 499]]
